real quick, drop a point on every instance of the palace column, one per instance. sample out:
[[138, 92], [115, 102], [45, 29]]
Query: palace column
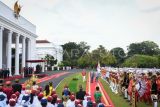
[[17, 55], [28, 50], [1, 45], [9, 52], [23, 52]]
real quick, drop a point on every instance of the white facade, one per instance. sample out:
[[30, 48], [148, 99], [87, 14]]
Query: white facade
[[15, 31], [44, 47]]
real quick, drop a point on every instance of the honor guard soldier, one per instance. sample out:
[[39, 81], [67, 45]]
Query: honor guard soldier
[[8, 89], [3, 98]]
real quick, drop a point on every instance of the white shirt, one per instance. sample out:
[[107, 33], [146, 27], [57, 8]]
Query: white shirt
[[49, 104], [3, 103], [36, 102], [70, 103]]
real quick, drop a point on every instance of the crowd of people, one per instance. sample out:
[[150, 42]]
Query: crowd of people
[[17, 95], [135, 85]]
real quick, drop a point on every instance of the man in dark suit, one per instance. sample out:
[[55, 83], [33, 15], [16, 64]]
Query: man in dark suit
[[80, 94], [17, 86]]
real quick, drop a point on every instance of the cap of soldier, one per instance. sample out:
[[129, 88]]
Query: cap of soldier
[[72, 97], [17, 94], [40, 95], [54, 96], [8, 82], [23, 87], [49, 98], [40, 89], [53, 92], [33, 91], [59, 100]]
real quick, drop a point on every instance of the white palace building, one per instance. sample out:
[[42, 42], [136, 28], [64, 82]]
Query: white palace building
[[17, 32], [44, 47]]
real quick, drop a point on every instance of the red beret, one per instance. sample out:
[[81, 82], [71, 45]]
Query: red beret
[[37, 92], [53, 92], [59, 100], [49, 99], [40, 95], [23, 87], [40, 88], [33, 91], [54, 95], [12, 102], [8, 83], [17, 94]]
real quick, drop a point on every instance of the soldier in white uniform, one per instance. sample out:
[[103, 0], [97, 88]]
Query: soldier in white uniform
[[49, 99], [3, 97], [71, 101]]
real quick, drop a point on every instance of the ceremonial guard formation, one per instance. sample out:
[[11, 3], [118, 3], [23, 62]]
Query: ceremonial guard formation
[[135, 84]]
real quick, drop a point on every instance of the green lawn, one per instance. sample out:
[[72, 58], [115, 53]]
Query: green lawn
[[73, 84], [118, 100]]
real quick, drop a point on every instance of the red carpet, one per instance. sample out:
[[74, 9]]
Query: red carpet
[[13, 78], [51, 77], [90, 88]]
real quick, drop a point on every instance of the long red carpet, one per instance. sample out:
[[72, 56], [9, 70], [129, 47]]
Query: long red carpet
[[50, 77], [90, 88]]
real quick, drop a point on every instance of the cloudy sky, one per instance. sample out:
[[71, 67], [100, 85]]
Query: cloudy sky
[[112, 23]]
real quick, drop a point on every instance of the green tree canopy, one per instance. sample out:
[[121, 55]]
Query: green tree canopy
[[73, 51], [50, 60], [141, 61], [119, 53], [103, 56], [144, 48]]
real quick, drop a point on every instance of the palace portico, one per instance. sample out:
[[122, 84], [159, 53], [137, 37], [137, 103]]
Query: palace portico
[[15, 33]]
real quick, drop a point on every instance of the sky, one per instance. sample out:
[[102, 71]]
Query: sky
[[111, 23]]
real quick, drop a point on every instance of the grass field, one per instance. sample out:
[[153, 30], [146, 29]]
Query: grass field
[[118, 100], [73, 84]]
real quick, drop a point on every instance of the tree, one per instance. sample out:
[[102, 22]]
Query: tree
[[50, 60], [85, 61], [73, 51], [83, 48], [103, 56], [141, 61], [144, 48], [119, 54], [158, 60]]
